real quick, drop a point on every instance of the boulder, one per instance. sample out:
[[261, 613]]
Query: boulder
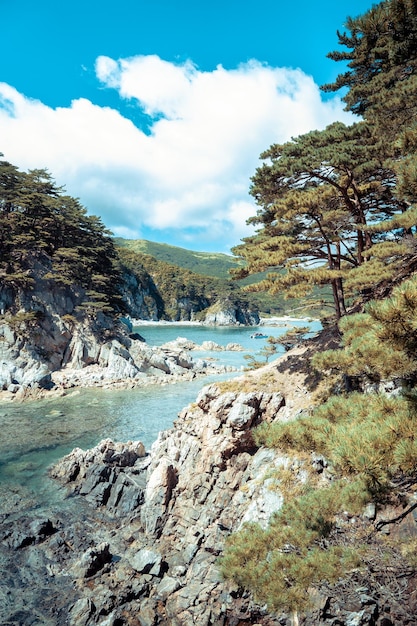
[[81, 612], [159, 488], [146, 562], [92, 561]]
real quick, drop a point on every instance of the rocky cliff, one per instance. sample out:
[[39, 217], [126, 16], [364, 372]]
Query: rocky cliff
[[46, 343], [154, 289], [142, 544], [141, 296], [45, 340]]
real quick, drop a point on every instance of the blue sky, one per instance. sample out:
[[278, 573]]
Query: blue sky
[[154, 113]]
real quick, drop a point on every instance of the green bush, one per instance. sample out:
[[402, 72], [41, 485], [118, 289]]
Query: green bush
[[281, 563]]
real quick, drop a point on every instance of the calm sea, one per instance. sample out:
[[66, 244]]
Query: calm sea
[[36, 434]]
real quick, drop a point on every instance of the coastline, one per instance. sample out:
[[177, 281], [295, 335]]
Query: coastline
[[74, 383], [264, 321], [165, 364]]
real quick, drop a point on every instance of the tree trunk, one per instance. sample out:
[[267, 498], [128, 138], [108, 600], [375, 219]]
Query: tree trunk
[[338, 297], [337, 283]]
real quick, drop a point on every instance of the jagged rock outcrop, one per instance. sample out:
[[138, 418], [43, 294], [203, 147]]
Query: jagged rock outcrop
[[143, 543], [57, 355], [200, 481], [42, 331], [229, 313], [20, 364], [63, 286]]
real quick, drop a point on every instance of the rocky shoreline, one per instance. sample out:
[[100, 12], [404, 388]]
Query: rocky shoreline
[[139, 539], [140, 542], [152, 523], [143, 365]]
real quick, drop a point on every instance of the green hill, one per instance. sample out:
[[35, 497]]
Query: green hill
[[213, 264], [218, 265]]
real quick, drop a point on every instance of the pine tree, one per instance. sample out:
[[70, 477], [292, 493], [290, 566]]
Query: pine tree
[[381, 82], [42, 227], [324, 197]]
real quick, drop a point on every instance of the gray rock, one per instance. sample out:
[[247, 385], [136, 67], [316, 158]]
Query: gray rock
[[92, 561], [81, 612], [241, 416], [262, 507], [42, 528], [146, 562], [127, 494], [370, 511], [23, 535], [147, 613], [159, 488], [201, 481], [166, 587]]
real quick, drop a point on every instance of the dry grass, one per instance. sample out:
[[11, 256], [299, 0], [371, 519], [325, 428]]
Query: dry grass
[[291, 375]]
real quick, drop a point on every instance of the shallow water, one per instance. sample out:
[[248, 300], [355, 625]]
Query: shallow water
[[35, 434]]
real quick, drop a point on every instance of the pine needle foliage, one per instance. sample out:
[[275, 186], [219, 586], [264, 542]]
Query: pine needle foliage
[[280, 563], [291, 337], [374, 434], [380, 48], [340, 206], [380, 343], [368, 440], [42, 228]]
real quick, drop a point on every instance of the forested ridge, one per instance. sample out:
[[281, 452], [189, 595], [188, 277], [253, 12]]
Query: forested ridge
[[213, 264], [176, 287], [338, 207], [48, 236]]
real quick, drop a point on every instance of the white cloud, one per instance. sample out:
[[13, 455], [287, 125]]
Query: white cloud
[[159, 86], [193, 169]]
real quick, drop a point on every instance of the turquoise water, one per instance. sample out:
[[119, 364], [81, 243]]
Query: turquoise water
[[33, 435], [36, 434], [157, 334]]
